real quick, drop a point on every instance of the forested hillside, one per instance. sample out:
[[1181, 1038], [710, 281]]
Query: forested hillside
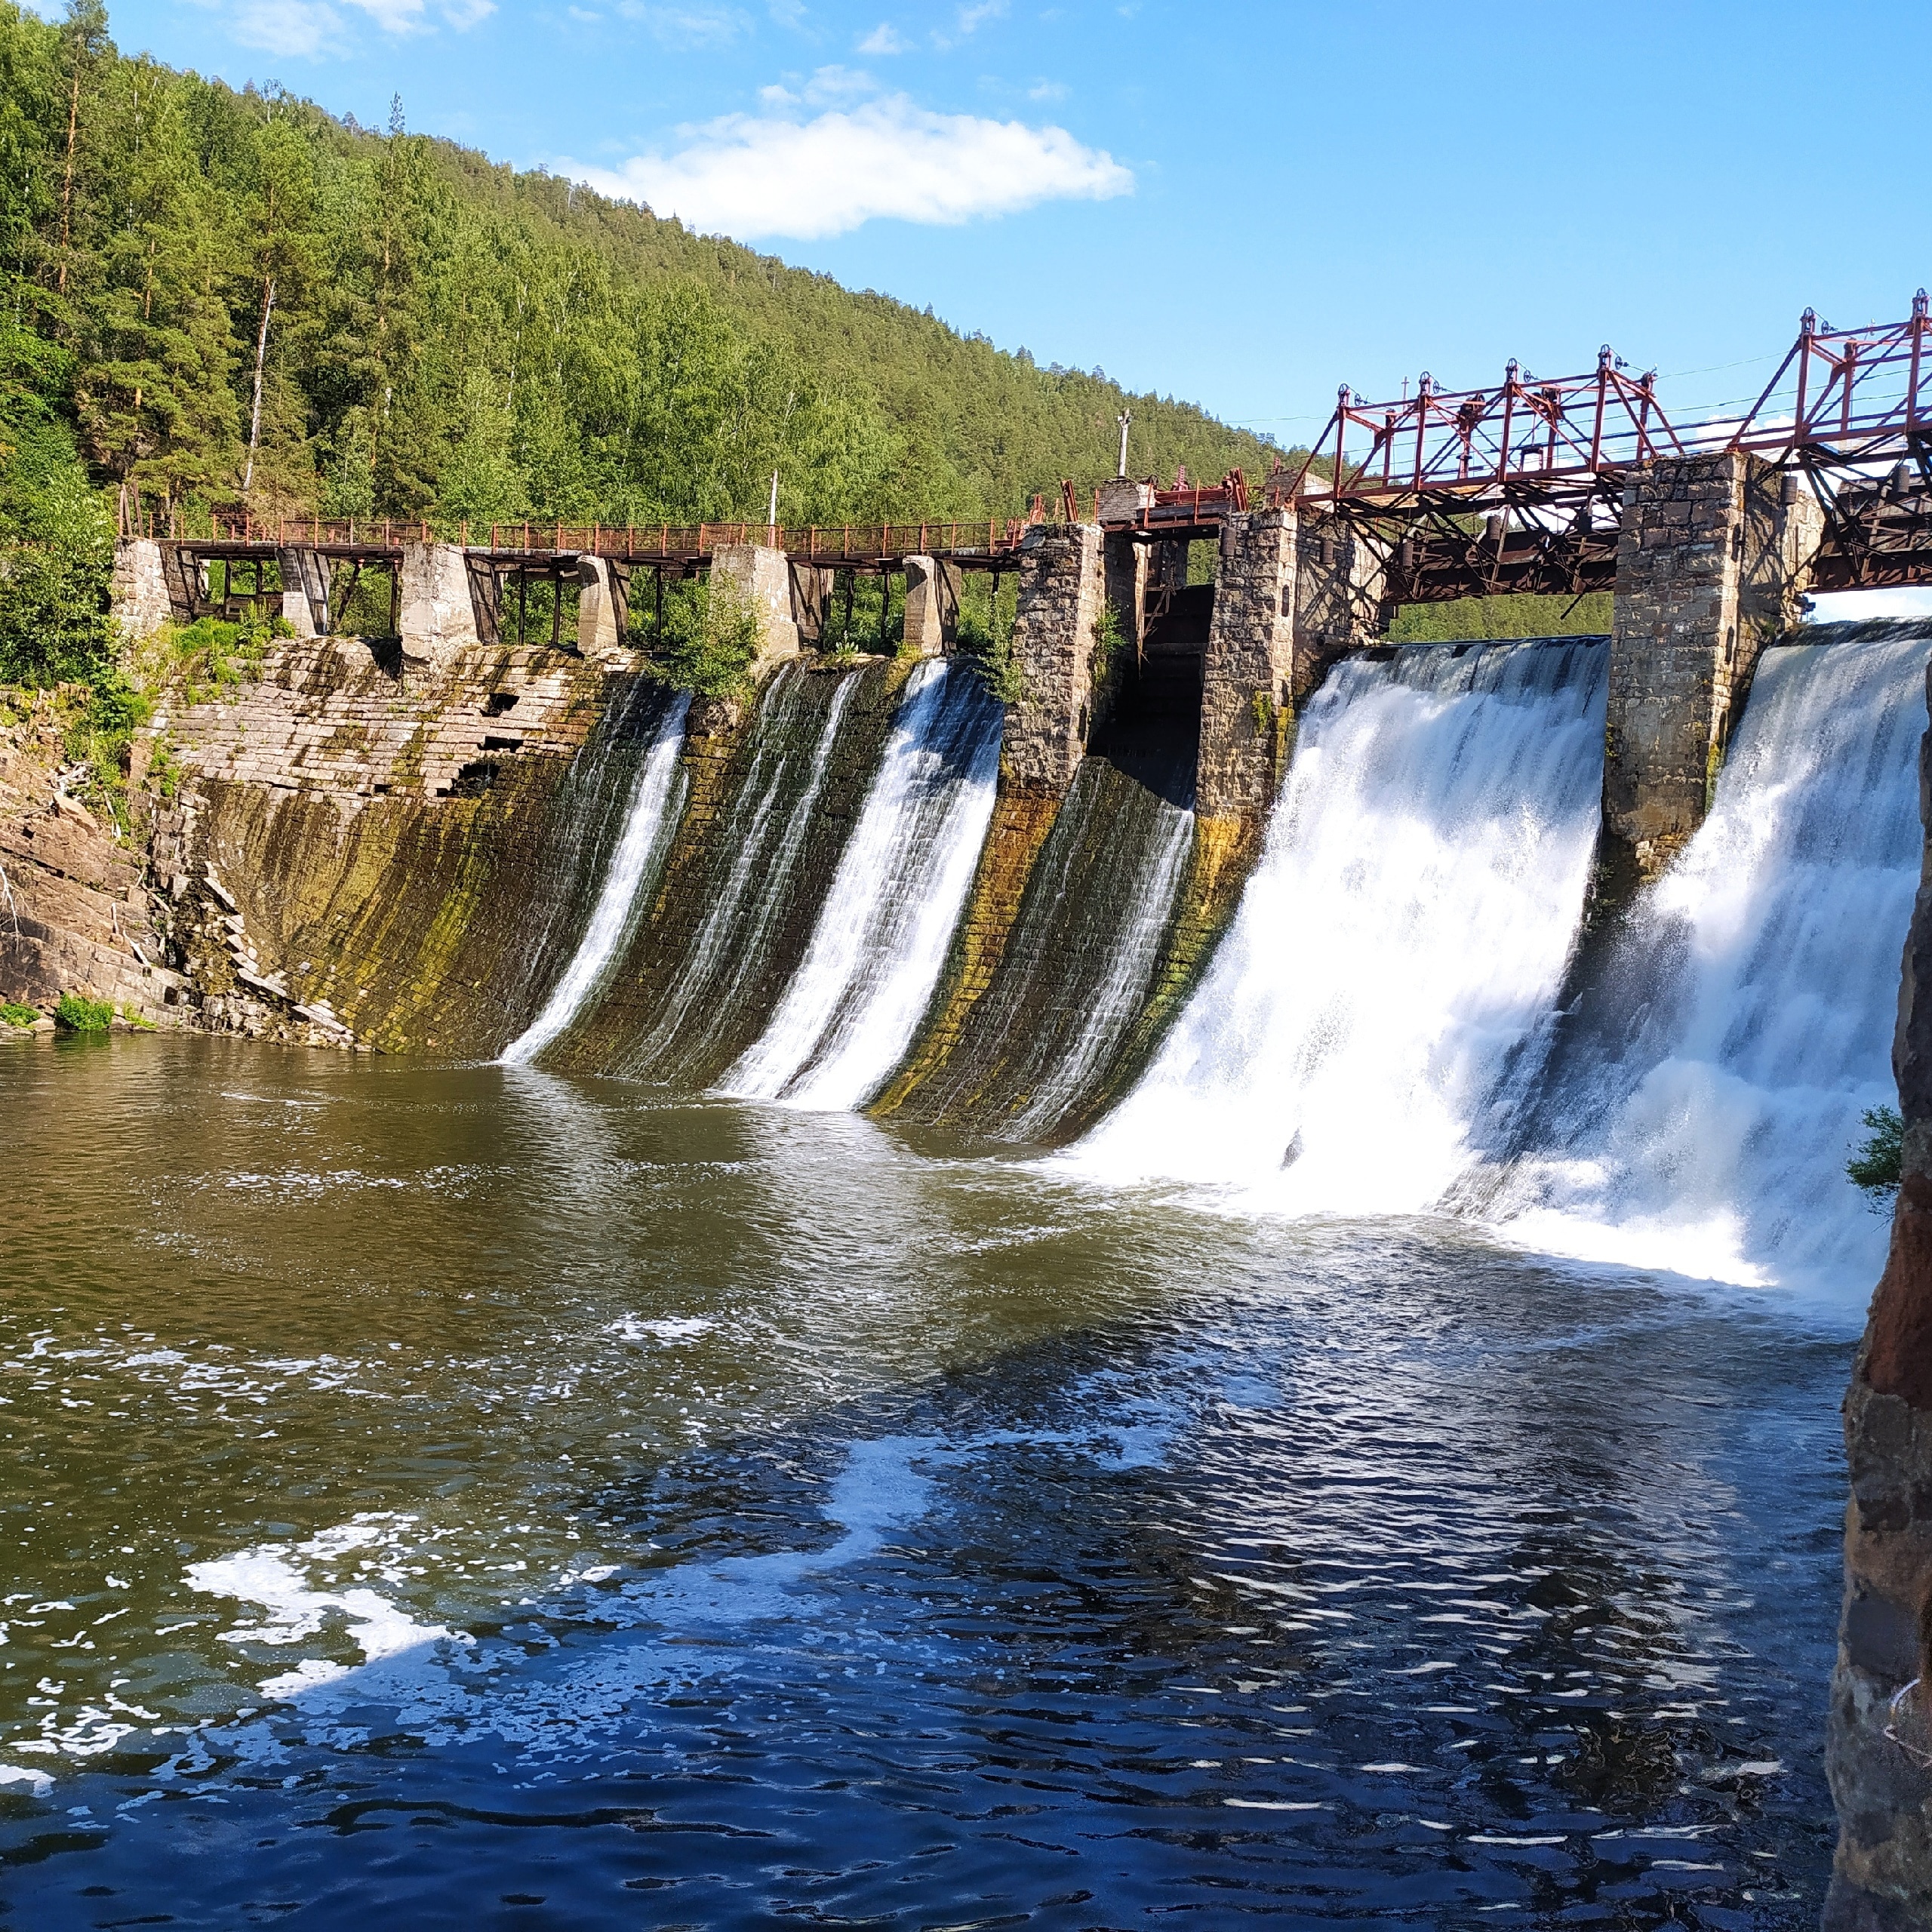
[[214, 295]]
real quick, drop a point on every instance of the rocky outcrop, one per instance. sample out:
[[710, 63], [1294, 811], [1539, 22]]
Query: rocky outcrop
[[77, 911], [1879, 1740]]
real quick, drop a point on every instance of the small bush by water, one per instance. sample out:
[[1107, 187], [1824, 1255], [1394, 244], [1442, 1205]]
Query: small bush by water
[[1874, 1167], [77, 1014], [15, 1014]]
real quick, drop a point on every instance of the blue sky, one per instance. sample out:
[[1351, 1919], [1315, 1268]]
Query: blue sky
[[1242, 204]]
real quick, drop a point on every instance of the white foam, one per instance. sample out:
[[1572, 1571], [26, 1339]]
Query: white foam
[[1755, 1001], [275, 1577]]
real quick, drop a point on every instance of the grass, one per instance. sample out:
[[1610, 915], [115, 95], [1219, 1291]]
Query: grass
[[14, 1014]]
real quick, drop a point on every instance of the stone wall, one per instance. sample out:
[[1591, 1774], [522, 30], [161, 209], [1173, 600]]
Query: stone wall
[[1881, 1879], [355, 846], [328, 715], [1710, 566], [1247, 675]]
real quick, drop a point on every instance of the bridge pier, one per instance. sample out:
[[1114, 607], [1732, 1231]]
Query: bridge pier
[[304, 591], [762, 578], [600, 611], [438, 618], [1248, 670], [1713, 555], [139, 592], [932, 606], [1054, 632]]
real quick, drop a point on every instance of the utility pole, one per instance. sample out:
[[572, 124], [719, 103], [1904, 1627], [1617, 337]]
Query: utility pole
[[1123, 419], [771, 520]]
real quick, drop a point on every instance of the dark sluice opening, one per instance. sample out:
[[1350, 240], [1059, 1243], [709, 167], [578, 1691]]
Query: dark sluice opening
[[1153, 734]]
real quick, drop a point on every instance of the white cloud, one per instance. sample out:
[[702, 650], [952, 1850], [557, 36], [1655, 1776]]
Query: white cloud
[[311, 29], [702, 25], [750, 176], [304, 28], [967, 21], [394, 16], [1046, 91], [884, 39]]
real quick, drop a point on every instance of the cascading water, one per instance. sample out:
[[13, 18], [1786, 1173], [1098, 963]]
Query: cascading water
[[1700, 1117], [1042, 1038], [635, 862], [1409, 921], [880, 942], [716, 987]]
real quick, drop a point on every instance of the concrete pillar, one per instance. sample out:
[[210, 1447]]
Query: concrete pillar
[[932, 606], [138, 591], [1711, 564], [1339, 585], [304, 591], [1246, 677], [760, 576], [600, 613], [1053, 635], [1882, 1877], [437, 619]]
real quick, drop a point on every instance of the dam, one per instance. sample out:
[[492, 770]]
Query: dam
[[1018, 991]]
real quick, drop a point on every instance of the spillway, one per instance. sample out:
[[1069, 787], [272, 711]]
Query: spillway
[[1699, 1105], [880, 940], [650, 815], [1040, 1043], [1408, 922]]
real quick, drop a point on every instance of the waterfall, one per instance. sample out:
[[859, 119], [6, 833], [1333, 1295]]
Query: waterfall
[[1701, 1118], [1078, 966], [876, 952], [1409, 921], [763, 835], [635, 862]]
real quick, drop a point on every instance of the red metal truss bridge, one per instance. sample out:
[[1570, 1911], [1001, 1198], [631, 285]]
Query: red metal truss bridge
[[1478, 492]]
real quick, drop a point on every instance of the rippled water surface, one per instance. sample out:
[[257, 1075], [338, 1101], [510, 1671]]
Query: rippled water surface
[[466, 1498]]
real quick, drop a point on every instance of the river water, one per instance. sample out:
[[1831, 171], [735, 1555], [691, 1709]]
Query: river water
[[462, 1496]]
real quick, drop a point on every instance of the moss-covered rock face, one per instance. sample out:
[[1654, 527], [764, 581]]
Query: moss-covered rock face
[[1090, 922]]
